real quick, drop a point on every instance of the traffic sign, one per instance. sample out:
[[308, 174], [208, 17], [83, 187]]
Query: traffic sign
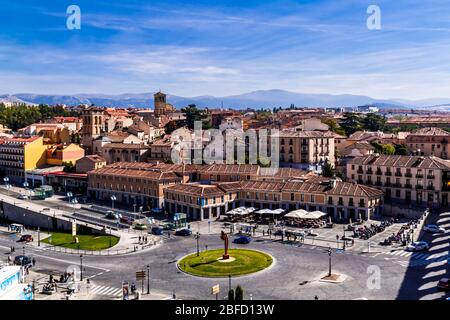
[[215, 289], [140, 275]]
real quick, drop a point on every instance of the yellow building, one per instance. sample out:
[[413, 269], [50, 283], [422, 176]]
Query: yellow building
[[18, 155]]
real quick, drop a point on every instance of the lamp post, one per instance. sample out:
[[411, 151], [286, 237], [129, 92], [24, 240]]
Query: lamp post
[[113, 198], [148, 279], [337, 241], [69, 195], [39, 236], [81, 267], [197, 237], [329, 261]]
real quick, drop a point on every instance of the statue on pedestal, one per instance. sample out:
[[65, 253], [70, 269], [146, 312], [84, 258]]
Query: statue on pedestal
[[224, 237]]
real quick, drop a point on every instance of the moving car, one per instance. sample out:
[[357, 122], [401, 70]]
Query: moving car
[[158, 231], [183, 232], [22, 197], [444, 284], [432, 228], [242, 239], [140, 226], [26, 238], [23, 261], [113, 216], [127, 220], [418, 246]]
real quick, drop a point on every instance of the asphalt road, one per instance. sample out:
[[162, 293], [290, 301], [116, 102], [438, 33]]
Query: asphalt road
[[293, 266]]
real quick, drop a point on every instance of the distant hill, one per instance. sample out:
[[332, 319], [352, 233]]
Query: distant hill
[[256, 99]]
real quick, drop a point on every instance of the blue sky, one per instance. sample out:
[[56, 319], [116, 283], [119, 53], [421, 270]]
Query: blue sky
[[223, 48]]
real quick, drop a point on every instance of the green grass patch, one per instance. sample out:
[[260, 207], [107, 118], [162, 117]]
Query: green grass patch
[[207, 265], [85, 242]]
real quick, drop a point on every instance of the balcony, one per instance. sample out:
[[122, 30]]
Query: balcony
[[351, 204], [430, 187], [378, 183], [408, 175], [361, 205], [387, 184], [419, 187], [388, 173], [340, 203], [430, 176], [369, 171], [360, 171], [359, 181], [379, 173], [397, 185], [419, 176], [408, 186], [369, 182], [398, 174]]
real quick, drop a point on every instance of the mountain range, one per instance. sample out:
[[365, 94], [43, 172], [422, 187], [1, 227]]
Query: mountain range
[[256, 99]]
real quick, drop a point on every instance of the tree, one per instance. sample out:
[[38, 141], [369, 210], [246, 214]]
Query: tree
[[333, 125], [400, 150], [171, 126], [239, 295], [388, 149], [374, 122], [231, 295], [351, 123], [68, 166], [194, 114], [328, 170]]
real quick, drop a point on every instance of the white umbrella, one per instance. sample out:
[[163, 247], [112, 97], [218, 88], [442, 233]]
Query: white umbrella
[[317, 214], [296, 214]]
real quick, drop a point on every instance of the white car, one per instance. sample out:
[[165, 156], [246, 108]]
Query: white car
[[22, 197], [418, 246], [432, 228]]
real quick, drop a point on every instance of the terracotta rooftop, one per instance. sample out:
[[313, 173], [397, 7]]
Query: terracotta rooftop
[[149, 175], [307, 134], [428, 162], [431, 131]]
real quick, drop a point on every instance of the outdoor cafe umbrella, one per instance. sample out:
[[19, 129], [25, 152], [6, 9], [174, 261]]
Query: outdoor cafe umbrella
[[296, 214]]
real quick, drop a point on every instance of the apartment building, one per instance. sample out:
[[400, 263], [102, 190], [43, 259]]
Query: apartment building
[[429, 142], [341, 200], [17, 155], [131, 186], [405, 180], [306, 149]]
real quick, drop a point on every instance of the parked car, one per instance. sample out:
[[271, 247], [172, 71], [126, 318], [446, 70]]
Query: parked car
[[183, 232], [444, 284], [22, 197], [26, 238], [242, 239], [140, 226], [158, 231], [23, 261], [432, 228], [127, 220], [418, 246]]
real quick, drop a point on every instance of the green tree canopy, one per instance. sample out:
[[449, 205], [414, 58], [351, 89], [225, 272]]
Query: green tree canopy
[[374, 122], [351, 123]]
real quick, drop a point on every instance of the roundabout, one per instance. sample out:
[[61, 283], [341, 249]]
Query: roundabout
[[211, 264]]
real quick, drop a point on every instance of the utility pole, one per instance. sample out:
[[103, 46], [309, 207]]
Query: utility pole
[[329, 261], [81, 267], [197, 236]]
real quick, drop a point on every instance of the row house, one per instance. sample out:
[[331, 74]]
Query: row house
[[409, 180]]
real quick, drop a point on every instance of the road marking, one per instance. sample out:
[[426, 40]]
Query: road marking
[[106, 291], [70, 262]]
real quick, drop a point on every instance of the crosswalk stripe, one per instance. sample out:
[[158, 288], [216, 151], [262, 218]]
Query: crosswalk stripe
[[118, 292], [109, 291], [396, 253], [97, 289], [103, 290]]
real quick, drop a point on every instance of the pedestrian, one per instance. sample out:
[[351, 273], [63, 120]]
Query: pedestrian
[[9, 259], [139, 239], [264, 232], [33, 261], [316, 298]]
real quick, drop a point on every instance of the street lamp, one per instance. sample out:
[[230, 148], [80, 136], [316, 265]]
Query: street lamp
[[81, 267], [113, 198], [197, 237], [329, 261], [148, 279]]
